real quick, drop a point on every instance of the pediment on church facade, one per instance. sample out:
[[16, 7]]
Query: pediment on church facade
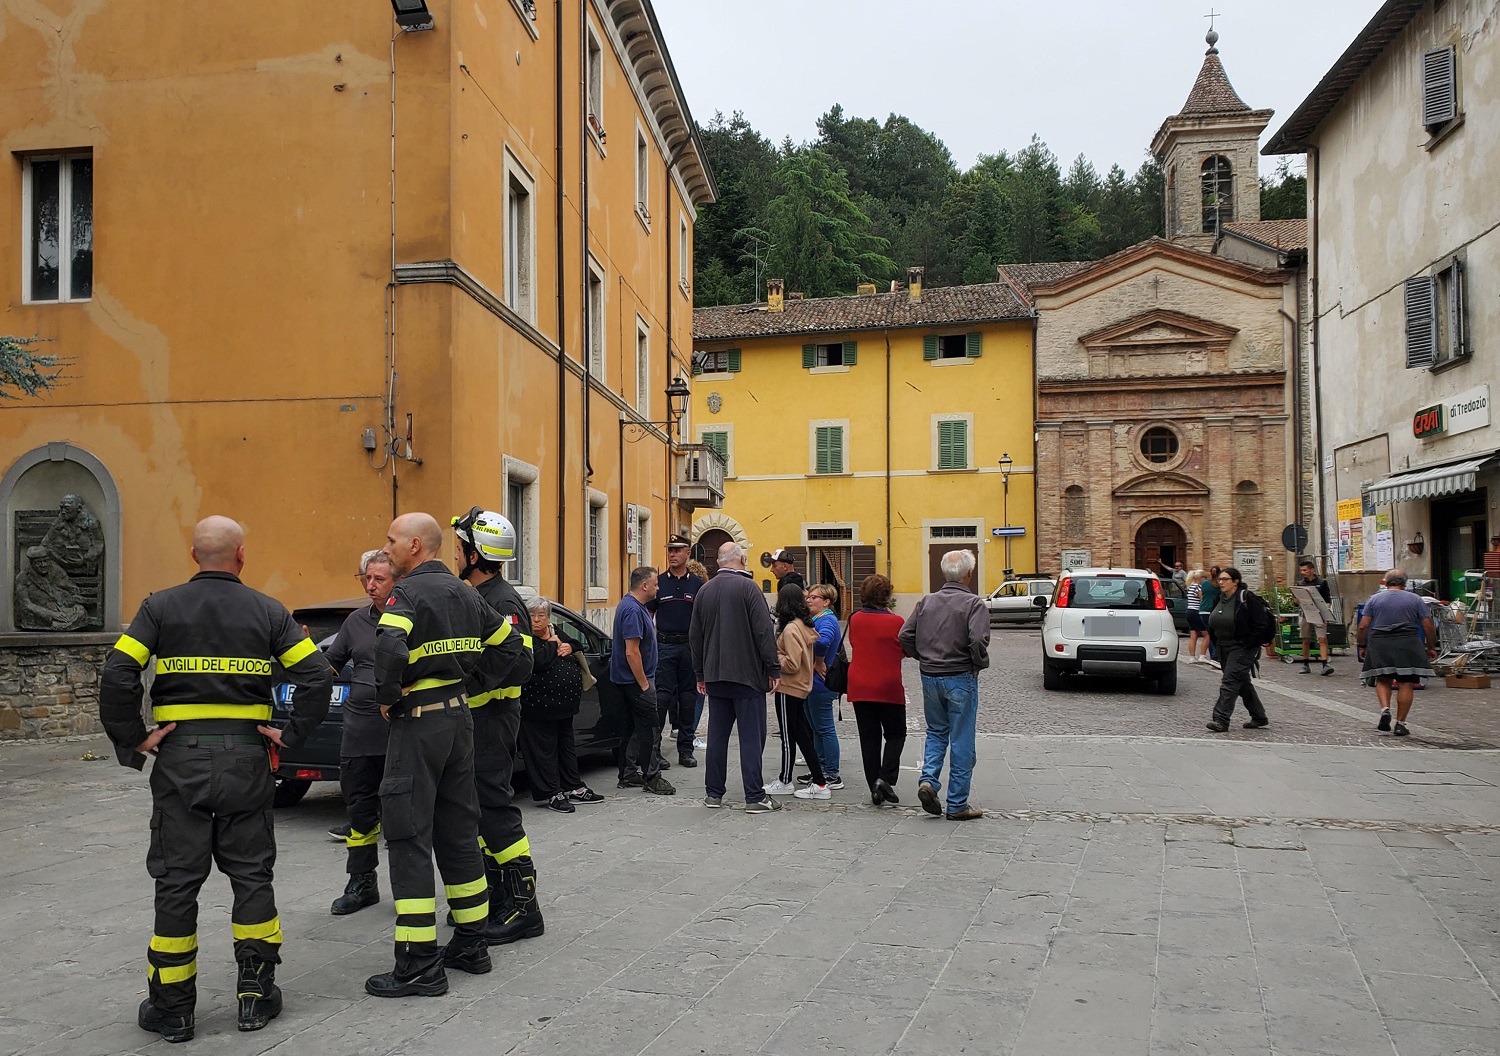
[[1164, 485], [1157, 329]]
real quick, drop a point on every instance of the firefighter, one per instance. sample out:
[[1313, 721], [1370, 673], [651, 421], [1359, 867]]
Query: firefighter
[[433, 631], [485, 541], [211, 786]]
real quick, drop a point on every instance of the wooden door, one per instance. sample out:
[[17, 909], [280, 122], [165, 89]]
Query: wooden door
[[1160, 541], [935, 552]]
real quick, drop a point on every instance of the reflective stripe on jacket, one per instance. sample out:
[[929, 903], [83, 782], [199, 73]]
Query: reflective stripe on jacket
[[500, 676]]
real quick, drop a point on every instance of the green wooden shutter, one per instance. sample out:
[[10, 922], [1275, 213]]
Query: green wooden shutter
[[930, 346], [851, 353], [718, 439], [974, 345], [953, 446], [809, 355], [734, 361], [820, 454], [829, 454]]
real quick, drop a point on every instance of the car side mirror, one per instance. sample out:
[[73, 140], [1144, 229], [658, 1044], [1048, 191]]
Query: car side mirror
[[1041, 601]]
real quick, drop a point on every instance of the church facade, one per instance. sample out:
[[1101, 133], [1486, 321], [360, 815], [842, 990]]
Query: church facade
[[1166, 374]]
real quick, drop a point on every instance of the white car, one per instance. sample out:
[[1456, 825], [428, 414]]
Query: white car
[[1020, 599], [1109, 621]]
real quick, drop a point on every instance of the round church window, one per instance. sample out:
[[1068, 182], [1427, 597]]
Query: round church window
[[1159, 444]]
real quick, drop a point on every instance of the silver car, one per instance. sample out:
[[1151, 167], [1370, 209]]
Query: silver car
[[1020, 599]]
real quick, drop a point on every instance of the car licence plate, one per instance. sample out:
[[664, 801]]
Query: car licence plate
[[1112, 627], [286, 689]]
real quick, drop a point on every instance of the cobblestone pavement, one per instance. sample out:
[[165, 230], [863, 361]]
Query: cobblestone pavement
[[1133, 894], [1304, 709]]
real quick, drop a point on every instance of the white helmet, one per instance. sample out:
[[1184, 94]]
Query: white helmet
[[487, 534]]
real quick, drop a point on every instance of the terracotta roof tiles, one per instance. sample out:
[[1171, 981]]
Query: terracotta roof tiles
[[1275, 234], [939, 306], [1212, 93]]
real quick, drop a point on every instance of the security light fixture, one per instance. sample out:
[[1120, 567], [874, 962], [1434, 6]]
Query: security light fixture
[[412, 15]]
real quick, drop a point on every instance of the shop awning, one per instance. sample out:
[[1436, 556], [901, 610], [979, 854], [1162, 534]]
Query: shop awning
[[1429, 483]]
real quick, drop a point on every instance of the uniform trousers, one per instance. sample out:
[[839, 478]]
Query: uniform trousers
[[210, 804], [677, 691], [502, 832], [428, 806], [359, 780], [551, 751]]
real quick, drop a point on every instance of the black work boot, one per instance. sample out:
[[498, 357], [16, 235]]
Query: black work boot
[[260, 997], [362, 890], [170, 1027], [427, 982], [517, 915], [475, 959]]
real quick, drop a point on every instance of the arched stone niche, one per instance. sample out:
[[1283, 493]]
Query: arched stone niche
[[31, 493]]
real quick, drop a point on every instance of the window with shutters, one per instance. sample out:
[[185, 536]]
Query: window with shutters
[[723, 362], [952, 348], [520, 239], [1436, 317], [597, 327], [58, 220], [642, 367], [595, 120], [830, 354], [642, 179], [829, 442], [1440, 110], [721, 439], [951, 447]]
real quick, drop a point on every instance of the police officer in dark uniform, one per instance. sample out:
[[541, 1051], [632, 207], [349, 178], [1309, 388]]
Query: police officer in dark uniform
[[676, 685], [485, 540], [211, 787], [431, 635]]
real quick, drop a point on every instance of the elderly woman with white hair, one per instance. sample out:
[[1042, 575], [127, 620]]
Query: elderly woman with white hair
[[949, 634], [549, 700]]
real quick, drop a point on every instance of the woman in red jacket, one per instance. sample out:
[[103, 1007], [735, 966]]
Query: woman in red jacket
[[875, 687]]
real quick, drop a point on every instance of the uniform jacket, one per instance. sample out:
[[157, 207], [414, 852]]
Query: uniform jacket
[[214, 639], [433, 631], [498, 676]]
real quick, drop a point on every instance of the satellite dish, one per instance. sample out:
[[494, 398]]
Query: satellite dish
[[765, 559]]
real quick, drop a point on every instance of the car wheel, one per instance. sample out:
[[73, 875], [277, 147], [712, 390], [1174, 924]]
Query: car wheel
[[1166, 682], [289, 793], [1052, 676]]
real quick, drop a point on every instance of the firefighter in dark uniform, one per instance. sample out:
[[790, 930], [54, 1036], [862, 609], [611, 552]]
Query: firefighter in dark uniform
[[211, 786], [485, 540], [433, 631]]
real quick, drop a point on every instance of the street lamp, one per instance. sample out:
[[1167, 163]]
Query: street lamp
[[678, 395], [1005, 463]]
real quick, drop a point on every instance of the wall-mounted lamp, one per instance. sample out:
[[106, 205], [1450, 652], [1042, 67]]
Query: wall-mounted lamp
[[1417, 544], [412, 15]]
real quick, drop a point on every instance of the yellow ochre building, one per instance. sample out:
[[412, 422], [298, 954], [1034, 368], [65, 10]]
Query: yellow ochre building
[[872, 433]]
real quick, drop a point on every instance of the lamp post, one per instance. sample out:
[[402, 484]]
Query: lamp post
[[1005, 463]]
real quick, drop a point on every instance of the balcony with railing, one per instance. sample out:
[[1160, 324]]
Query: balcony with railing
[[700, 477]]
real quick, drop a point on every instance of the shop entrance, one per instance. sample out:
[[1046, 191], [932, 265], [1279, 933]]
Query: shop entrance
[[1459, 539]]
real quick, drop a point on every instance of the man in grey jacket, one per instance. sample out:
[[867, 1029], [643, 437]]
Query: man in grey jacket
[[734, 659], [949, 634]]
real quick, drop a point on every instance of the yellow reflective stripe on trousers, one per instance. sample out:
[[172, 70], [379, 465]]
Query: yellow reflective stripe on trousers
[[212, 665], [179, 712], [266, 931], [501, 633], [362, 839], [473, 913], [174, 943], [515, 850], [443, 647], [176, 973], [391, 619], [300, 651], [428, 683], [133, 649], [415, 906], [503, 693], [473, 887], [406, 934]]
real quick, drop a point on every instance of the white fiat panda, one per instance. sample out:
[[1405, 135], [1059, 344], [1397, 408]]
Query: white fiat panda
[[1109, 621]]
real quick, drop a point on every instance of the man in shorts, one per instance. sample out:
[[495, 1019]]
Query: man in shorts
[[1307, 576]]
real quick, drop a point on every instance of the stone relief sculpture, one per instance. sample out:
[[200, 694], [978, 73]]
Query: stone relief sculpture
[[58, 583], [46, 599]]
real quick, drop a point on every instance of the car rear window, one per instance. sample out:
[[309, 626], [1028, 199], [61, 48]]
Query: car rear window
[[1107, 592]]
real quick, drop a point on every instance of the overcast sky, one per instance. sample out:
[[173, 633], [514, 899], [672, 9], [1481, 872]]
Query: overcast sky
[[1089, 76]]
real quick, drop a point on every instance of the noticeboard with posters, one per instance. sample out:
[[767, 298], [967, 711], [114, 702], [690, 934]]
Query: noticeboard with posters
[[1365, 537]]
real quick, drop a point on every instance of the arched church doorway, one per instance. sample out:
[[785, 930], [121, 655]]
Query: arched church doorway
[[708, 548], [1160, 541]]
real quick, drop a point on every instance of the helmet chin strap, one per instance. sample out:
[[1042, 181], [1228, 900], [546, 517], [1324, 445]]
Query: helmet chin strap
[[470, 562]]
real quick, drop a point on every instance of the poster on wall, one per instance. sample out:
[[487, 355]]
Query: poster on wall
[[1247, 560], [1350, 512]]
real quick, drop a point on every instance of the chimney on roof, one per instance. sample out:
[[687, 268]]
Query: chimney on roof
[[895, 286], [795, 295], [773, 294], [865, 289], [914, 283]]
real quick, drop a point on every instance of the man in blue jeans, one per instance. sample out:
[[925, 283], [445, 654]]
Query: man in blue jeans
[[949, 635]]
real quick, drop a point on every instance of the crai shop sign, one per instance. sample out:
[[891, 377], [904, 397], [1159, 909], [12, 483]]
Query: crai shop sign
[[1457, 414]]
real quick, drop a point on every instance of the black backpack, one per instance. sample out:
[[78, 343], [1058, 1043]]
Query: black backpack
[[1259, 618]]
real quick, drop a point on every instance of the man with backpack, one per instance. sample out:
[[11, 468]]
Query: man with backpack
[[1239, 625]]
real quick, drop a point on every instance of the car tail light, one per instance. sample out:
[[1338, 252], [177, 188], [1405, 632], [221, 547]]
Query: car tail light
[[309, 775], [1064, 591], [1158, 596]]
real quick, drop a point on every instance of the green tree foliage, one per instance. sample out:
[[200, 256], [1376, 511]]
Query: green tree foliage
[[24, 370], [1283, 196], [866, 199]]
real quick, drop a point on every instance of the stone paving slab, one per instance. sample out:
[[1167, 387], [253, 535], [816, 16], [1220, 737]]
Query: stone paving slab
[[1135, 894]]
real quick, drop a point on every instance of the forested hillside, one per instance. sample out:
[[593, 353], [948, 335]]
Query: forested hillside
[[865, 200]]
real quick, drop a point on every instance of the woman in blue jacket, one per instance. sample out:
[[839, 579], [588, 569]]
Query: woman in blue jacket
[[821, 599]]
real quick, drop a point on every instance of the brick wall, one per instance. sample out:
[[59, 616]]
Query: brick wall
[[49, 684]]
